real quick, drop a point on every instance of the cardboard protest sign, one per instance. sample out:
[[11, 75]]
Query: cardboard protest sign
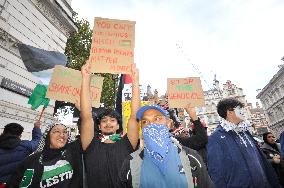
[[182, 91], [126, 111], [112, 49], [65, 85]]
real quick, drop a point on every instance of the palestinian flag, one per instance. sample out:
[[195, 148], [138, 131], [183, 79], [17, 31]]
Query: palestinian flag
[[40, 63], [125, 79]]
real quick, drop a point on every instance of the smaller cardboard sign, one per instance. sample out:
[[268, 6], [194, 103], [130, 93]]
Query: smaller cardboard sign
[[65, 85], [182, 91]]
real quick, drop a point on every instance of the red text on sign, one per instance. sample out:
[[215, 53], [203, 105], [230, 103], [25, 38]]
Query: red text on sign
[[106, 59], [184, 95]]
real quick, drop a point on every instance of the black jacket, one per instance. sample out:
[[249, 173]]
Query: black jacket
[[197, 141], [279, 168], [13, 151]]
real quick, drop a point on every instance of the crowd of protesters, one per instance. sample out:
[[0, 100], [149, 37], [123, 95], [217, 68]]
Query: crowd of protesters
[[167, 154]]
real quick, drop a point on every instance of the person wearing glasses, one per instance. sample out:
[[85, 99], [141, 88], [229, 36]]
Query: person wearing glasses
[[272, 151], [234, 159]]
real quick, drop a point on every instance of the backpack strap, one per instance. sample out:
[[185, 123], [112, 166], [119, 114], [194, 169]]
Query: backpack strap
[[135, 168], [184, 158]]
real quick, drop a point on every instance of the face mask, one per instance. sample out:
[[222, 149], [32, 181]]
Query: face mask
[[240, 112], [157, 140]]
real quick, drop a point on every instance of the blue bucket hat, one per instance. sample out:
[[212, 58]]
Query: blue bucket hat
[[141, 111]]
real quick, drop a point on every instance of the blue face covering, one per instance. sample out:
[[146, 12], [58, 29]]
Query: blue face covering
[[157, 141]]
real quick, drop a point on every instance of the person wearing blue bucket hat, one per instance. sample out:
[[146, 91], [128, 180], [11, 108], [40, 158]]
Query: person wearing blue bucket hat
[[162, 161]]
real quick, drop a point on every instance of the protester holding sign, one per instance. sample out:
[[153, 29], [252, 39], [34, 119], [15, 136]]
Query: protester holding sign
[[198, 139], [103, 158]]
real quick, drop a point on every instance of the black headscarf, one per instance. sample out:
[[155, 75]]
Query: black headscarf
[[44, 145]]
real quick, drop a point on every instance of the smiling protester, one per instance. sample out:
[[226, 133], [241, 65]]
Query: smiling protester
[[56, 164], [105, 154], [234, 160]]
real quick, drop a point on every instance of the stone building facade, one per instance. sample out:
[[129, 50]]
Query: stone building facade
[[258, 119], [42, 24], [272, 99]]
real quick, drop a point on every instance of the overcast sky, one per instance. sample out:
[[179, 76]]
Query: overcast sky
[[238, 40]]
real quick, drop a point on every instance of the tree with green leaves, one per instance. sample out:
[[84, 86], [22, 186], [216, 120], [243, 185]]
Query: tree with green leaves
[[78, 50], [78, 44]]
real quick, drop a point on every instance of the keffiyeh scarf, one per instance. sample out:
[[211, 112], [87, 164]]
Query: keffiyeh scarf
[[240, 129], [157, 141], [113, 137]]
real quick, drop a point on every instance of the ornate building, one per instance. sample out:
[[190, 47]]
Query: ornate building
[[42, 24], [258, 119], [272, 99]]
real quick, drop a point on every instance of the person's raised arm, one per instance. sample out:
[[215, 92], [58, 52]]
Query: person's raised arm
[[199, 139], [36, 137], [132, 127], [87, 122]]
